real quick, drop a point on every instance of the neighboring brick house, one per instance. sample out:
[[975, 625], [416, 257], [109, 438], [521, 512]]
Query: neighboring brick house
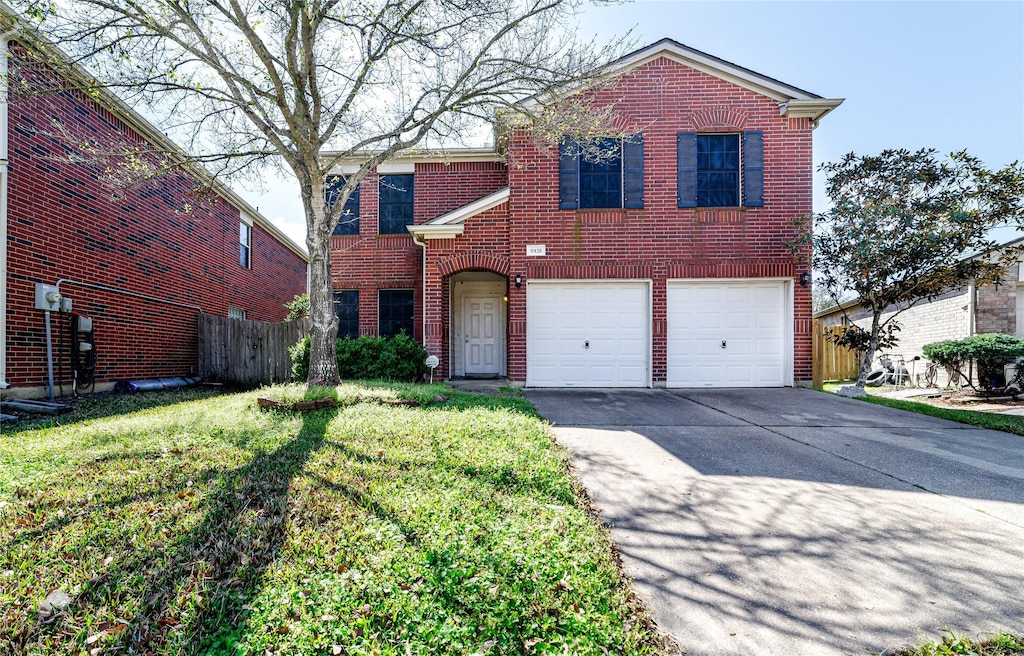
[[668, 265], [141, 261], [958, 313]]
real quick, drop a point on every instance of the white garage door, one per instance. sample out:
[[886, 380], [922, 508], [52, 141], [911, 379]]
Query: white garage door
[[587, 334], [729, 334]]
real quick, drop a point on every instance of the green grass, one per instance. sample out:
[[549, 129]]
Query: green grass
[[1001, 644], [212, 527], [996, 421]]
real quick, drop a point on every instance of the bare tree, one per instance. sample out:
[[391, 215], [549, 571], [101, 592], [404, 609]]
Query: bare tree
[[244, 80]]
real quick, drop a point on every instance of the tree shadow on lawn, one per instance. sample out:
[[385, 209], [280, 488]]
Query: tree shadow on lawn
[[108, 404], [189, 593]]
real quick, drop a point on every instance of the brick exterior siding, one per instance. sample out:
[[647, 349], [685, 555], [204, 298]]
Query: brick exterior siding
[[659, 242], [158, 238]]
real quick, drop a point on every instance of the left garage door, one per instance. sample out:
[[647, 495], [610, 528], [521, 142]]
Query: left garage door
[[587, 334]]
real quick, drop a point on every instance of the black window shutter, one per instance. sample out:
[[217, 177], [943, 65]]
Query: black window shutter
[[568, 175], [686, 153], [753, 168], [633, 171]]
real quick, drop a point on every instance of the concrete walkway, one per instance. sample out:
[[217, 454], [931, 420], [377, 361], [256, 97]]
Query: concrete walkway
[[787, 521]]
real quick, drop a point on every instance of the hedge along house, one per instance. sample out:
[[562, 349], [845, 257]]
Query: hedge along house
[[668, 264], [140, 261]]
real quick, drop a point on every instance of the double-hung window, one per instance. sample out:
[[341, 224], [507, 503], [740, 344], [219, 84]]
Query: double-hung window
[[396, 204], [720, 170], [394, 312], [603, 174], [346, 307], [348, 223]]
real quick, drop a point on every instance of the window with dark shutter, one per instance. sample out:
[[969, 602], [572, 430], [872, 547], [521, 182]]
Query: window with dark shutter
[[348, 224], [718, 170], [610, 176], [601, 179], [346, 307], [396, 204]]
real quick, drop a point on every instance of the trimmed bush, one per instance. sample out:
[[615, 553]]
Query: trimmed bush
[[369, 358], [989, 351]]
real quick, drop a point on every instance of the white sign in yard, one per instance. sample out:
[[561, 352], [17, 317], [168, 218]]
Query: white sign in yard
[[536, 250]]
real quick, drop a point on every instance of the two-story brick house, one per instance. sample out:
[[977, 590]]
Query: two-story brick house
[[141, 261], [665, 263]]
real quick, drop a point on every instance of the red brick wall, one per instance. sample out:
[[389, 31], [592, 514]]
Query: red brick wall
[[157, 238], [662, 241], [371, 261]]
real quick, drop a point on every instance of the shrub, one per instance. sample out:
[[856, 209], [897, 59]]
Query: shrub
[[377, 358], [989, 351]]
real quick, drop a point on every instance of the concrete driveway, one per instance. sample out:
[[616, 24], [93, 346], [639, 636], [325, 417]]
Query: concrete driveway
[[786, 521]]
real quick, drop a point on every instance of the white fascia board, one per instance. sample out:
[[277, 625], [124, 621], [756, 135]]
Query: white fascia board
[[425, 231], [459, 216], [813, 109], [419, 156]]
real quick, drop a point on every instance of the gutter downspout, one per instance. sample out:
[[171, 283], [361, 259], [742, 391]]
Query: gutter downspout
[[423, 283], [3, 207]]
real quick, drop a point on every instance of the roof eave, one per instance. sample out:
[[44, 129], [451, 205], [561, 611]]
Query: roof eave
[[814, 109], [425, 231]]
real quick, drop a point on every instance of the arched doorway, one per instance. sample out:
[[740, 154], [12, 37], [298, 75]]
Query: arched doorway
[[478, 319]]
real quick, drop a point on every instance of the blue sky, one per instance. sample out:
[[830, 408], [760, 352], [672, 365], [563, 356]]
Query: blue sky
[[948, 75]]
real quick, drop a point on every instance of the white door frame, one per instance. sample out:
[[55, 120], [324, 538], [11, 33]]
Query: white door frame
[[590, 281], [788, 336], [474, 288]]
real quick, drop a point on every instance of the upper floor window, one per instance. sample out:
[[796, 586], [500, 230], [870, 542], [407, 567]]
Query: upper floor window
[[346, 307], [715, 170], [607, 173], [396, 204], [245, 244], [348, 224]]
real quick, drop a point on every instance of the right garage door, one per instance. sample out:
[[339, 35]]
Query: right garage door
[[726, 334]]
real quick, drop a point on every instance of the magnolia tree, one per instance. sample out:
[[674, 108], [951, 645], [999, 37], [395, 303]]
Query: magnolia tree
[[243, 80], [905, 227]]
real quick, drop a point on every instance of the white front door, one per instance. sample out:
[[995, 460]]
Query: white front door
[[481, 318]]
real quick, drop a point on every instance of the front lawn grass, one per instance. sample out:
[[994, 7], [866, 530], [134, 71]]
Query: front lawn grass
[[212, 527], [994, 420]]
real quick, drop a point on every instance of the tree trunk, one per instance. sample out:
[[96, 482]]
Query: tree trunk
[[323, 349], [869, 354]]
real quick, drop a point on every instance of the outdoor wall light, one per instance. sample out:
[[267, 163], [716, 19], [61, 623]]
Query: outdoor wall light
[[518, 280], [805, 278]]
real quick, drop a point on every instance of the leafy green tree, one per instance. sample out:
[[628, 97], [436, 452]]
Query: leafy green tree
[[310, 83], [903, 228]]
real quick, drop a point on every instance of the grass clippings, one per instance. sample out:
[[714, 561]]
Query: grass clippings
[[214, 527], [951, 644]]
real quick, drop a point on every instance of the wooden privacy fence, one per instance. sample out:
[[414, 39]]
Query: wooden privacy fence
[[831, 362], [246, 352]]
